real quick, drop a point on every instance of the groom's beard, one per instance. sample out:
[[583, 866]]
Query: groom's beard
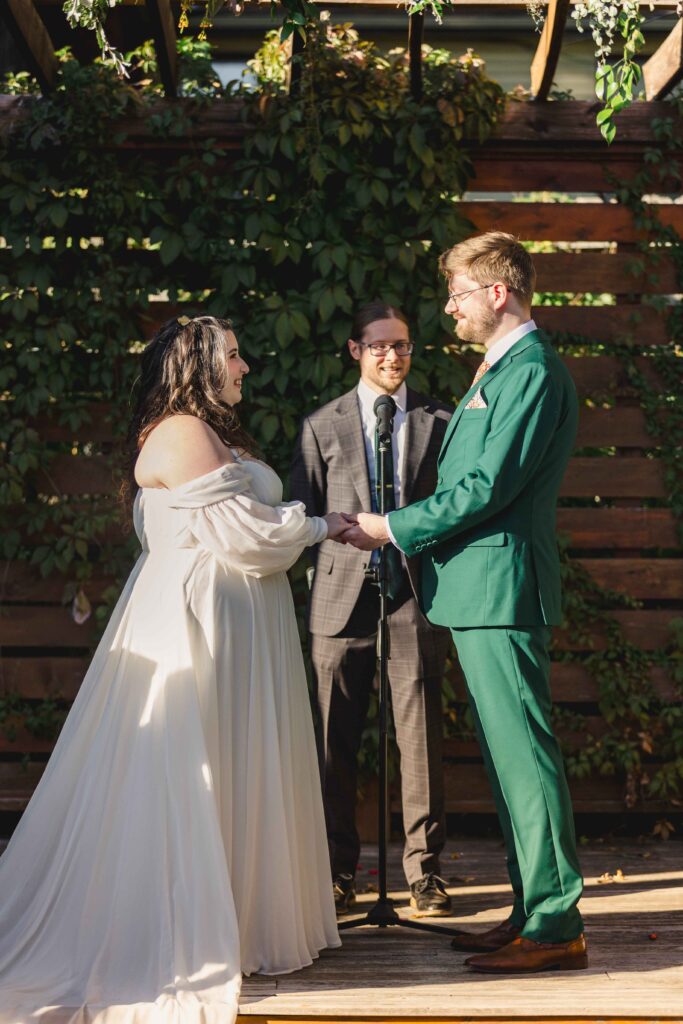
[[477, 328]]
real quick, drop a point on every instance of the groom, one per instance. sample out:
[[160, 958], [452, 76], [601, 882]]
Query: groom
[[490, 571]]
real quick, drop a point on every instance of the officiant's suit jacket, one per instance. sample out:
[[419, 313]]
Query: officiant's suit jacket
[[330, 473]]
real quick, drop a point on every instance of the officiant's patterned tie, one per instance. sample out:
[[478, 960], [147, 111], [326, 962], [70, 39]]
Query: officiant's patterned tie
[[392, 554], [477, 402]]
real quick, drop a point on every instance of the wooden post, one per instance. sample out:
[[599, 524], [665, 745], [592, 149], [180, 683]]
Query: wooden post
[[415, 34], [32, 39], [544, 64], [295, 65], [664, 69], [163, 27]]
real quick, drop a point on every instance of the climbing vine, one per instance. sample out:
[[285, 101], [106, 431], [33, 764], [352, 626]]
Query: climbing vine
[[337, 196]]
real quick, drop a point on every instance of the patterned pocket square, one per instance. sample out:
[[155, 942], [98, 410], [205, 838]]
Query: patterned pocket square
[[477, 401]]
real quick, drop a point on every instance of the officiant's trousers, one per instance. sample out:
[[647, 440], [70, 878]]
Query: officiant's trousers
[[344, 668], [508, 680]]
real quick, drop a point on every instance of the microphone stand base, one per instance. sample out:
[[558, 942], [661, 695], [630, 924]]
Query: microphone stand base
[[383, 915]]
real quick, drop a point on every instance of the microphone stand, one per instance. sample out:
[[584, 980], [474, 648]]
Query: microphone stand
[[383, 913]]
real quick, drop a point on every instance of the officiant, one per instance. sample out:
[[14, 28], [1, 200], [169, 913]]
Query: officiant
[[334, 468]]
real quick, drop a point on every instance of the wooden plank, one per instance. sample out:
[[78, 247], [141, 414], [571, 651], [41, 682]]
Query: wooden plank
[[16, 739], [74, 474], [23, 582], [614, 528], [544, 63], [664, 69], [574, 121], [468, 791], [22, 626], [658, 579], [527, 132], [566, 221], [597, 375], [649, 629], [588, 477], [33, 42], [17, 785], [603, 324], [163, 27], [36, 678], [603, 272], [28, 626], [623, 427], [508, 169]]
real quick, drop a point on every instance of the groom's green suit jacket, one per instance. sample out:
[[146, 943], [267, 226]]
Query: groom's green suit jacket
[[487, 535]]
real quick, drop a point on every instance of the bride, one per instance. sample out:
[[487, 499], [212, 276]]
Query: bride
[[176, 839]]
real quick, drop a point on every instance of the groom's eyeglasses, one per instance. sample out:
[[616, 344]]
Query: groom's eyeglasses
[[381, 348], [459, 297]]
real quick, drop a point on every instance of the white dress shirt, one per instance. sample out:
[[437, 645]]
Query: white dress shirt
[[496, 352], [500, 347], [366, 400]]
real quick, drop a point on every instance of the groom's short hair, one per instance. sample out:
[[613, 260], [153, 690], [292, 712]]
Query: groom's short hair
[[493, 256]]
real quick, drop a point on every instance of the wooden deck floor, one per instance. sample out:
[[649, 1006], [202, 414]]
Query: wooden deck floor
[[400, 973]]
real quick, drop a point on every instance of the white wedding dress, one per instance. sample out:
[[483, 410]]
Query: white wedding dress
[[176, 839]]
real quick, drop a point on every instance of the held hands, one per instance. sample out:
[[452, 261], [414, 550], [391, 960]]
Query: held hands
[[337, 524], [364, 530]]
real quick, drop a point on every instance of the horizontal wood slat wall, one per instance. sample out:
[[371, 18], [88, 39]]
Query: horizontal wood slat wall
[[613, 514]]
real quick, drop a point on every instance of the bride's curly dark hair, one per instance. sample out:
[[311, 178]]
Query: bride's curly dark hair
[[183, 369]]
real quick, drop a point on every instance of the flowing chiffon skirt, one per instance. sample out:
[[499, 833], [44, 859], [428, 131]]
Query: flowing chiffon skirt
[[176, 839]]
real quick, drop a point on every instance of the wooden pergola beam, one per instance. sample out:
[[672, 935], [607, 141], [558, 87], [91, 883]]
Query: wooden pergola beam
[[32, 40], [664, 69], [163, 27], [544, 64], [415, 36]]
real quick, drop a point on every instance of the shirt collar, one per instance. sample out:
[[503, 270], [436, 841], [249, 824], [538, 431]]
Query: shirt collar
[[498, 350], [367, 397]]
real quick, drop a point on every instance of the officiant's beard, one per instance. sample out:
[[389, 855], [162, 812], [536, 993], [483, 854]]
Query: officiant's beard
[[477, 326]]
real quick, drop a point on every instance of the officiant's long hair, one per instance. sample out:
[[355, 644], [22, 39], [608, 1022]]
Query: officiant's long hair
[[183, 369]]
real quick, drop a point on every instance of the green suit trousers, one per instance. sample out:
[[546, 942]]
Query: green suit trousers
[[508, 680]]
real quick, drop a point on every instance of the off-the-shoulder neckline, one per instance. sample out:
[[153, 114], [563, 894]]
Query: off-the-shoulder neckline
[[196, 479], [237, 464]]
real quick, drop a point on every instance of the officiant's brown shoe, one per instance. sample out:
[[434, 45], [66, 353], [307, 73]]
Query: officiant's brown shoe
[[524, 956], [485, 942]]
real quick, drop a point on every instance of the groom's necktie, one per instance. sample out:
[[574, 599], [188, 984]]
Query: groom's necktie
[[481, 370], [392, 555]]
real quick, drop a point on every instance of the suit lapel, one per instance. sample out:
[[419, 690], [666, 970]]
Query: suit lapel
[[419, 425], [532, 338], [352, 441]]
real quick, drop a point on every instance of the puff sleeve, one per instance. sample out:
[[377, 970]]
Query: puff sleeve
[[230, 522]]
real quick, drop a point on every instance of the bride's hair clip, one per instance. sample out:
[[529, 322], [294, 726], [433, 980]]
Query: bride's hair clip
[[184, 320]]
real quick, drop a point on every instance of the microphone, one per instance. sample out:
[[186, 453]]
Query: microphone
[[384, 409]]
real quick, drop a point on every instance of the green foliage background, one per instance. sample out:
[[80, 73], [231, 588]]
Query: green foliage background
[[345, 193]]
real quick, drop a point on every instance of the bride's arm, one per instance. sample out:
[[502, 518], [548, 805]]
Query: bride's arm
[[180, 449]]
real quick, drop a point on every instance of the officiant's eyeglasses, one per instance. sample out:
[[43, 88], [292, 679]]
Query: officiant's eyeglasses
[[381, 348]]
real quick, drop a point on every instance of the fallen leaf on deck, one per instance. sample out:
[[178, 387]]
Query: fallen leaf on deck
[[606, 879]]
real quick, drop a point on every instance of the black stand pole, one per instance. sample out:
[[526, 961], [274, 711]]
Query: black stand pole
[[383, 913]]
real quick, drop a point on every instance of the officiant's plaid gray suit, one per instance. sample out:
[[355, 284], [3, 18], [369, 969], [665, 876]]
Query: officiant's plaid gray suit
[[330, 474]]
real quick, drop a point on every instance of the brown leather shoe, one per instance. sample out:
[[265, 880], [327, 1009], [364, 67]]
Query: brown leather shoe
[[485, 942], [524, 956]]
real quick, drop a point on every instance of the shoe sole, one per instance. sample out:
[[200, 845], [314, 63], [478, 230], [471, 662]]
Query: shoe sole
[[347, 909], [472, 948], [446, 912], [576, 964]]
